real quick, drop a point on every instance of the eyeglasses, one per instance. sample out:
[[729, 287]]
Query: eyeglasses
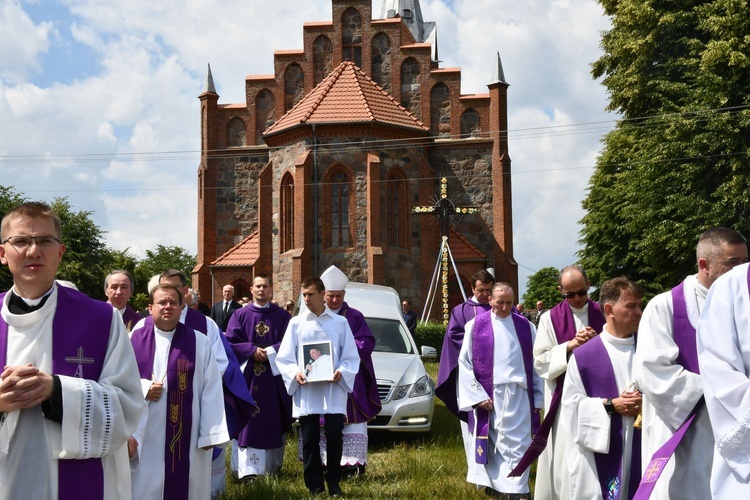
[[163, 304], [24, 242], [580, 293]]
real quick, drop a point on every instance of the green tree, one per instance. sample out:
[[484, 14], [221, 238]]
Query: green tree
[[542, 285], [677, 164], [157, 261], [9, 199]]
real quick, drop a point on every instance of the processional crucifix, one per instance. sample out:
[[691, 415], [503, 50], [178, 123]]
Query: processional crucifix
[[443, 210]]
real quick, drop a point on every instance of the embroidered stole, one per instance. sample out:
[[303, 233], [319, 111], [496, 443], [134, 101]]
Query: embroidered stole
[[179, 399], [79, 346]]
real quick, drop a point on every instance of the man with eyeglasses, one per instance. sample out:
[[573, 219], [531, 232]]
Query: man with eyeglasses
[[668, 375], [170, 452], [58, 345], [562, 329]]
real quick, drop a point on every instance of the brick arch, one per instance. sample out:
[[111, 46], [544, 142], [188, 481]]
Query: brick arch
[[397, 212], [322, 58], [411, 86], [236, 132], [351, 36], [339, 207], [241, 289], [265, 113], [440, 111], [294, 85], [381, 60], [470, 123]]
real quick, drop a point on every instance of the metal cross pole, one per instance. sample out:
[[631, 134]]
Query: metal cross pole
[[444, 209]]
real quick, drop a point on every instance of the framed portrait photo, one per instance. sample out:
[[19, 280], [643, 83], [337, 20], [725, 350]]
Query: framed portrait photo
[[317, 362]]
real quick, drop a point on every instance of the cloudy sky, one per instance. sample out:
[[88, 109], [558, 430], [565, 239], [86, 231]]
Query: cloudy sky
[[98, 102]]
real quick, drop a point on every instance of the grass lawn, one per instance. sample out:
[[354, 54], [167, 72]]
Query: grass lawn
[[431, 466]]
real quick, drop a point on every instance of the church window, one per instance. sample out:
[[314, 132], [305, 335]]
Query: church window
[[406, 14], [236, 133], [339, 187], [265, 113], [440, 111], [322, 58], [294, 85], [398, 215], [381, 61], [411, 87], [351, 36], [286, 201], [470, 123]]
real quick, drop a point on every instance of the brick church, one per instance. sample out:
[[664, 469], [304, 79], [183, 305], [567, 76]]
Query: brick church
[[326, 158]]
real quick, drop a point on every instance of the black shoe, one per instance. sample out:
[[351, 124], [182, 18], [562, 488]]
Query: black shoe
[[335, 492]]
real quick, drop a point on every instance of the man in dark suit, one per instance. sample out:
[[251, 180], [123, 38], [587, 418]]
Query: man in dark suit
[[222, 310]]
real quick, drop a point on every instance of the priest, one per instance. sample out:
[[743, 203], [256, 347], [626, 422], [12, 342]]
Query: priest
[[118, 287], [57, 345], [185, 418]]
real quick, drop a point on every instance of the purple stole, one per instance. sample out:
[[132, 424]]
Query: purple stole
[[599, 381], [483, 354], [363, 403], [564, 326], [79, 346], [130, 317], [180, 372], [684, 337]]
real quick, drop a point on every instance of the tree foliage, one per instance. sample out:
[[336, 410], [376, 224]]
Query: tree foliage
[[542, 285], [677, 164]]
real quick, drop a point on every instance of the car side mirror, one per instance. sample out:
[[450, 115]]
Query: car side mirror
[[429, 352]]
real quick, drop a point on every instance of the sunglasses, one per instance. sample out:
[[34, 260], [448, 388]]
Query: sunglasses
[[580, 293]]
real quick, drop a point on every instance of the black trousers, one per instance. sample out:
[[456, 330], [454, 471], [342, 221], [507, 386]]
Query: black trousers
[[311, 463]]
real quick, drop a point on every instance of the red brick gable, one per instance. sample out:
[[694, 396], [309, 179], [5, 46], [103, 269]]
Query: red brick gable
[[244, 253], [347, 95]]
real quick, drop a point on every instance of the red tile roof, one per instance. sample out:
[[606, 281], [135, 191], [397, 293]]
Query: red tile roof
[[347, 95], [244, 253], [462, 249]]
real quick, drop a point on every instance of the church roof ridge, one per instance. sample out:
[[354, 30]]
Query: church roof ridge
[[347, 95], [244, 253]]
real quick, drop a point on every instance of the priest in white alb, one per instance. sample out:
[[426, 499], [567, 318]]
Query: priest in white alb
[[185, 418]]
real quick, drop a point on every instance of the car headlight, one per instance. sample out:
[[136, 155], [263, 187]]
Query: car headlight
[[422, 387], [400, 391]]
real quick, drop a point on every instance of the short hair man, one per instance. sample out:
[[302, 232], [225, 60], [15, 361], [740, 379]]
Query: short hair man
[[600, 401], [313, 399], [667, 370], [185, 417], [539, 311], [202, 308], [223, 309], [410, 317], [561, 330], [118, 287], [498, 385], [255, 332], [723, 341], [363, 403], [447, 388], [58, 345]]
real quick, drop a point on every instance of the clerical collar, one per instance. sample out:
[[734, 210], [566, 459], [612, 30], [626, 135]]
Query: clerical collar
[[21, 305], [335, 311], [267, 304]]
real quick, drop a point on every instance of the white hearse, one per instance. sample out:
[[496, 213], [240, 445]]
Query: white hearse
[[406, 390]]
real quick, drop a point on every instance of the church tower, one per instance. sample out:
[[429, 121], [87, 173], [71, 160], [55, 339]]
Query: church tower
[[324, 161]]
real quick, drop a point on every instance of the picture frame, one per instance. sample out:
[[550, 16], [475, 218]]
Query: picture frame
[[317, 361]]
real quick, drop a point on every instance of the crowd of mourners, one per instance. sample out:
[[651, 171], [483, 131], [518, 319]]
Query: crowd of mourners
[[613, 402]]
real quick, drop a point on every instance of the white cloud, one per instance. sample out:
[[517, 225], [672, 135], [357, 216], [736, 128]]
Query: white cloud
[[22, 42]]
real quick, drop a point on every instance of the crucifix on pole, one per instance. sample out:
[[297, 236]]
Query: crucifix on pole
[[444, 209]]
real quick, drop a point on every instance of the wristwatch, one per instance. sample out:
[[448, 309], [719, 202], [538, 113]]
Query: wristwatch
[[609, 406]]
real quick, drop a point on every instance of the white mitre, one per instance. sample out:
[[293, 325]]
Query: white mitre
[[334, 279]]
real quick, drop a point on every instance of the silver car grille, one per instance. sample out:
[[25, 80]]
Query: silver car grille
[[384, 391]]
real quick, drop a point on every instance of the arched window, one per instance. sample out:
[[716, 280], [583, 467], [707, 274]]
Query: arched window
[[351, 36], [398, 210], [440, 111], [265, 113], [322, 58], [339, 191], [470, 123], [236, 133], [411, 87], [294, 85], [286, 222], [381, 61]]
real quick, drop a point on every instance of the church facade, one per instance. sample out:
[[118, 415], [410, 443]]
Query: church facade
[[325, 160]]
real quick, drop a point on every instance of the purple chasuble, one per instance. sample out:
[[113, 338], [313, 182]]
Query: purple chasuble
[[249, 328], [454, 337], [598, 377], [179, 394], [130, 317], [684, 332], [483, 354], [79, 346], [363, 403]]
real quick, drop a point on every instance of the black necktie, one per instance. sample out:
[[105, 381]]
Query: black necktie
[[226, 308]]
